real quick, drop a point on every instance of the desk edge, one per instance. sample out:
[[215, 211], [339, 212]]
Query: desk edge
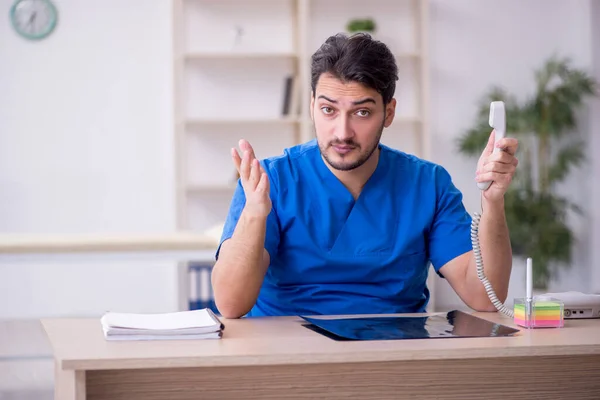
[[335, 358]]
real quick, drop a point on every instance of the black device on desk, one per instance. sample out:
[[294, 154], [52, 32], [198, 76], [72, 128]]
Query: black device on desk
[[454, 324]]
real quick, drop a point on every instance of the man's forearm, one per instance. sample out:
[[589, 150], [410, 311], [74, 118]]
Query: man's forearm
[[239, 271], [496, 254]]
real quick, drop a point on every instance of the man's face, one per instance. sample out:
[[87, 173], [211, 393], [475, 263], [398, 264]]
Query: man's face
[[349, 119]]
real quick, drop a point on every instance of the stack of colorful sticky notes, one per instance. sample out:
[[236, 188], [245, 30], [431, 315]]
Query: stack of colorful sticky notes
[[546, 314]]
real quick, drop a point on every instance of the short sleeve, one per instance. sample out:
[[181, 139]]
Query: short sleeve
[[450, 234], [236, 206]]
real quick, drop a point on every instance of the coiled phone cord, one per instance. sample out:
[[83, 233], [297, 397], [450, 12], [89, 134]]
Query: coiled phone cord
[[479, 263]]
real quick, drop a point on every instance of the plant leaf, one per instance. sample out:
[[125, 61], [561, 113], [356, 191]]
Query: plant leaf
[[538, 229], [568, 157], [561, 89]]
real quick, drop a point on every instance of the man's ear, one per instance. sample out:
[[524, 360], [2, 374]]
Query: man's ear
[[312, 105], [390, 111]]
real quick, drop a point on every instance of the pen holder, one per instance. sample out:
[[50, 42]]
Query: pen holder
[[539, 312]]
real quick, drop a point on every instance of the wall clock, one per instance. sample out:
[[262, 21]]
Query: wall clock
[[33, 19]]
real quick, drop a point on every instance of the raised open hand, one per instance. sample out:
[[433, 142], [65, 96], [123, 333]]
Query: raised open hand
[[254, 181]]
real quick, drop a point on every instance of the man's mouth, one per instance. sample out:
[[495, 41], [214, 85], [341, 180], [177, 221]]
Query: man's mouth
[[342, 149]]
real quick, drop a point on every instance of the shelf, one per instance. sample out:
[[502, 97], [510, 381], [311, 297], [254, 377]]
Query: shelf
[[241, 121], [278, 41], [210, 188], [236, 55], [77, 243], [216, 55]]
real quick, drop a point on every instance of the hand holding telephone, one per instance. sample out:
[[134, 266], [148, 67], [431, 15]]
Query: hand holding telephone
[[497, 121]]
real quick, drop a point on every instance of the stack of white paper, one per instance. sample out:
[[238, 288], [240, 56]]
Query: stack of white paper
[[195, 324]]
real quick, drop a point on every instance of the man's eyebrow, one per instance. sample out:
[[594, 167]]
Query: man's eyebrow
[[321, 96], [356, 103], [363, 101]]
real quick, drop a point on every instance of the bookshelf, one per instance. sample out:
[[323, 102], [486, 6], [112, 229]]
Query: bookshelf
[[231, 59]]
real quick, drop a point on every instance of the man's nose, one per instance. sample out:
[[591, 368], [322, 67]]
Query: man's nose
[[343, 129]]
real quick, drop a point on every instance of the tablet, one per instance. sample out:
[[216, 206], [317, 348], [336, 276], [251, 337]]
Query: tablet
[[454, 324]]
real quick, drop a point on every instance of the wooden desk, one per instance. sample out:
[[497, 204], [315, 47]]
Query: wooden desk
[[278, 358]]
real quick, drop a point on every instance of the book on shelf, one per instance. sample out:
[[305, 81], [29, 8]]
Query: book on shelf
[[291, 97], [201, 293], [193, 324]]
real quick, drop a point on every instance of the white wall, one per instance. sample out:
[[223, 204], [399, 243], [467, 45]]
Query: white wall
[[85, 146], [475, 44]]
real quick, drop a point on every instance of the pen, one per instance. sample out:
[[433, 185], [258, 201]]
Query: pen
[[529, 297]]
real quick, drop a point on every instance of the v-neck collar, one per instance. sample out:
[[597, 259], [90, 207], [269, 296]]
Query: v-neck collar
[[331, 180], [342, 208]]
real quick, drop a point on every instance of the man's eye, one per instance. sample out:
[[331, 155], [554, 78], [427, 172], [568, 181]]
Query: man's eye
[[363, 113], [327, 110]]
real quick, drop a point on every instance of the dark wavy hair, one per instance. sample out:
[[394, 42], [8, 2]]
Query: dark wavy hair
[[357, 58]]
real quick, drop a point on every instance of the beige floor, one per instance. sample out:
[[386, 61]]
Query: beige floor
[[27, 395]]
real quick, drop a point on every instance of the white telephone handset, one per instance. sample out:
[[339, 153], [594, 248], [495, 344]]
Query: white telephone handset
[[498, 122]]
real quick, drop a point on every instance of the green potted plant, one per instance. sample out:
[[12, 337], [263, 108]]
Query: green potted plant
[[367, 25], [545, 124]]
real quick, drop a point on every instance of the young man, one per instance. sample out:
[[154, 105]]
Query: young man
[[346, 225]]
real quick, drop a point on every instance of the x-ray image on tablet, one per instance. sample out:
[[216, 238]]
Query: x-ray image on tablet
[[453, 324]]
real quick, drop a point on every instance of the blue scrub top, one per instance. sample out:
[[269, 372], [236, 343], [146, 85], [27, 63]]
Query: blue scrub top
[[331, 254]]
